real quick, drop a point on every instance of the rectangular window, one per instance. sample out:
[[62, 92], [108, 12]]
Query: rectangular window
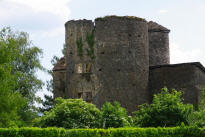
[[88, 68], [80, 95], [79, 68]]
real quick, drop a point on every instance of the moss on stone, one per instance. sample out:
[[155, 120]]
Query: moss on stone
[[120, 17]]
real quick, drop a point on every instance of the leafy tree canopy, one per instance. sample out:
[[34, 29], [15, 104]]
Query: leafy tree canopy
[[166, 110], [19, 61], [114, 116], [197, 118], [71, 113], [24, 59]]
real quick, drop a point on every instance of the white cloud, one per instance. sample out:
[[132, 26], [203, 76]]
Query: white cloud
[[163, 11], [57, 7], [15, 11], [180, 55], [48, 34]]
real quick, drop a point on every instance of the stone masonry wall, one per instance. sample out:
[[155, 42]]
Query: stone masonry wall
[[130, 63], [59, 79], [119, 71], [122, 62], [187, 77], [158, 44], [75, 30]]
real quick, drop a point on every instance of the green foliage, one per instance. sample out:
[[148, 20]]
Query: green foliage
[[48, 104], [79, 43], [114, 116], [11, 101], [197, 118], [24, 62], [166, 110], [90, 38], [71, 113], [117, 132]]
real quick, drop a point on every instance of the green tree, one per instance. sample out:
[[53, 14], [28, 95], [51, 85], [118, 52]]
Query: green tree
[[25, 63], [11, 102], [20, 61], [197, 118], [71, 113], [114, 116], [48, 102], [166, 110]]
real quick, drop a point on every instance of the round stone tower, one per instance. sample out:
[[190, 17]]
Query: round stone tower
[[158, 44], [122, 61], [80, 77]]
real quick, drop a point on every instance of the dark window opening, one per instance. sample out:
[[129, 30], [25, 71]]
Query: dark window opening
[[80, 95], [118, 69], [88, 96], [100, 69], [129, 35], [129, 52], [139, 35], [71, 53], [102, 52], [88, 68]]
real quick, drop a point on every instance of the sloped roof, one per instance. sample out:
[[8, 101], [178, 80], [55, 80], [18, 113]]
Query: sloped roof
[[153, 26], [61, 65]]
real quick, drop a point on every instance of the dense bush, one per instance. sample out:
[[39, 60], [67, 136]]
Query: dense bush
[[71, 113], [166, 110], [114, 116], [197, 118], [118, 132]]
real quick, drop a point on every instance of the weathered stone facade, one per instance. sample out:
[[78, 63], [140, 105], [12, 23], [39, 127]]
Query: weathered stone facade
[[158, 44], [121, 59], [186, 77]]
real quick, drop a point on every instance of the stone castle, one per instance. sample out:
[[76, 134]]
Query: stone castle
[[124, 59]]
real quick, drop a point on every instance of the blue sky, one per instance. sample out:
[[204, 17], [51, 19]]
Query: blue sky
[[44, 21]]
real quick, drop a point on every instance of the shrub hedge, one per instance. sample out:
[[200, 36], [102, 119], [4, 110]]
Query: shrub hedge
[[112, 132]]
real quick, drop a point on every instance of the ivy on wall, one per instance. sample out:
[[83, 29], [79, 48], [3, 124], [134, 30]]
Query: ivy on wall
[[79, 43], [90, 39]]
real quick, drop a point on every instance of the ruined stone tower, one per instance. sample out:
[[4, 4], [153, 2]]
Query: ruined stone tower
[[118, 65], [121, 59], [158, 44]]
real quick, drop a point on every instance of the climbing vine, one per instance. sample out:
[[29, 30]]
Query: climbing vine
[[79, 43], [90, 38]]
